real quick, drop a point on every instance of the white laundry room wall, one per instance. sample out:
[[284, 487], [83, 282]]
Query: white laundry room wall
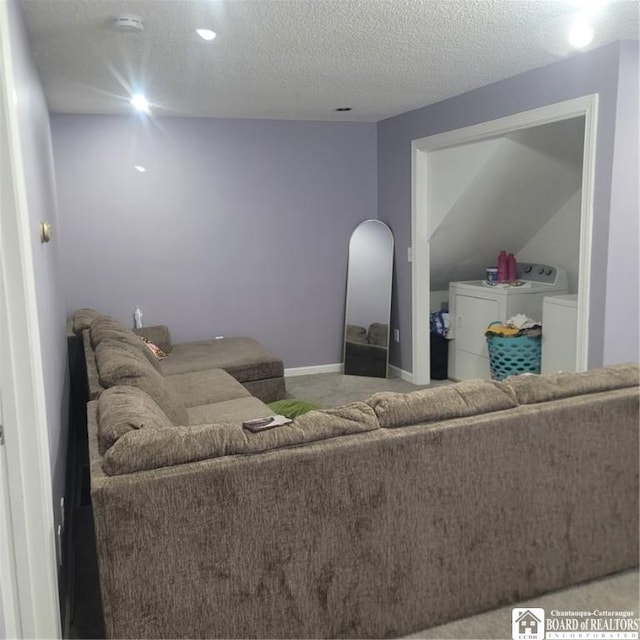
[[520, 192]]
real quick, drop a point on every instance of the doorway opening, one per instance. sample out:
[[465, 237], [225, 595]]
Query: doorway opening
[[425, 222]]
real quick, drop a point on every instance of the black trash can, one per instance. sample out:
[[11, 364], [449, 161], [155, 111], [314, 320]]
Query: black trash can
[[439, 357]]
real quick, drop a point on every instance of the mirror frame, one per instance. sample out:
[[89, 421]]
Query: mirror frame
[[368, 352]]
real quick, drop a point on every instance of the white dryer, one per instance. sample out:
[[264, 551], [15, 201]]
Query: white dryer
[[559, 327], [474, 304]]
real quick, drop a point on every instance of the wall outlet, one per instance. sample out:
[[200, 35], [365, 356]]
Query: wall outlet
[[396, 335]]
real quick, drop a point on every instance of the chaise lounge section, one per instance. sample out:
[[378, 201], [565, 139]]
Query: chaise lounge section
[[374, 519], [194, 382]]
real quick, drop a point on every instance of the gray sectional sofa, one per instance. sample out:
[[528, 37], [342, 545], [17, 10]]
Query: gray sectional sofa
[[374, 519], [194, 382]]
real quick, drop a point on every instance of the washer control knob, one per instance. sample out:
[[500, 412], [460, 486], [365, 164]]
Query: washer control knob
[[541, 270], [528, 268], [548, 272]]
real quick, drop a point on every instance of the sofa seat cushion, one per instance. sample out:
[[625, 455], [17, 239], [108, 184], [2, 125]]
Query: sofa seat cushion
[[206, 387], [237, 409], [467, 398], [124, 409], [108, 328], [152, 449], [244, 358], [267, 389], [119, 363], [531, 389]]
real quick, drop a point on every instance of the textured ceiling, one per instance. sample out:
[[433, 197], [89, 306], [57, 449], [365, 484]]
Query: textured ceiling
[[297, 59]]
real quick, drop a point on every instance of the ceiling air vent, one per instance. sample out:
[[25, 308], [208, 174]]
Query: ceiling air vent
[[128, 23]]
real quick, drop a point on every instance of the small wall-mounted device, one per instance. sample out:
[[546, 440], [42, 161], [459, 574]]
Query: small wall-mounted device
[[45, 232]]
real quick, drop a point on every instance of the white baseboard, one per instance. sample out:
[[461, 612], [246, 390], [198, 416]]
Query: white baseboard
[[292, 372], [397, 372], [307, 371]]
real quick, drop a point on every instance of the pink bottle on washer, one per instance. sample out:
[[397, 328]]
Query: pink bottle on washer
[[503, 267], [512, 270]]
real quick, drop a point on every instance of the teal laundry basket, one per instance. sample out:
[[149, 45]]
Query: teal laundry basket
[[513, 355]]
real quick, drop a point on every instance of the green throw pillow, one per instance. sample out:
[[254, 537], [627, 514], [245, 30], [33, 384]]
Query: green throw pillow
[[292, 408]]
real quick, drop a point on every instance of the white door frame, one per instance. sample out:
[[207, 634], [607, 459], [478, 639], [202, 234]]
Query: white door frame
[[30, 599], [9, 611], [586, 106]]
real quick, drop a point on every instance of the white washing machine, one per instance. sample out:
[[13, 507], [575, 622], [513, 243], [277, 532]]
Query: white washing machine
[[559, 326], [474, 304]]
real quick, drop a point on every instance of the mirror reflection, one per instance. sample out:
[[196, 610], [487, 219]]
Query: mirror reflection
[[366, 344]]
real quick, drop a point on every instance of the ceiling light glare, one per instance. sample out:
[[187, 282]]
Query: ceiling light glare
[[140, 103], [140, 168], [206, 34], [592, 7], [581, 33]]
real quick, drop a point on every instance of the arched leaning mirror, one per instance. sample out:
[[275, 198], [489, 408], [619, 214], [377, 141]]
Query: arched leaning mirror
[[366, 334]]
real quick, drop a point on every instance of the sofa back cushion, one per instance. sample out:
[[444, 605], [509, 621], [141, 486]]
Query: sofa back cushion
[[83, 319], [467, 398], [124, 409], [154, 448], [530, 389], [108, 328], [119, 363], [378, 334], [356, 333]]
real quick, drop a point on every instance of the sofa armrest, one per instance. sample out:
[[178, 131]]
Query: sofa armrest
[[158, 334], [93, 379]]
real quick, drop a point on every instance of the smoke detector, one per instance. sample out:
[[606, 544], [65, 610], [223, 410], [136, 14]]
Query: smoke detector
[[128, 23]]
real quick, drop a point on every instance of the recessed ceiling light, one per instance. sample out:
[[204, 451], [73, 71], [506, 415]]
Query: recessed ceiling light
[[140, 168], [581, 33], [206, 34], [343, 109], [140, 103]]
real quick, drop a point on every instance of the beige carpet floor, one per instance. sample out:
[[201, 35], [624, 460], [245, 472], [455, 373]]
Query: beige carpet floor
[[333, 389], [618, 592]]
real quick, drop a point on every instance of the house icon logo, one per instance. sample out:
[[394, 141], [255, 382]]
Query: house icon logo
[[527, 624]]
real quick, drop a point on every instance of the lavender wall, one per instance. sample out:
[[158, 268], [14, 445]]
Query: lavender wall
[[588, 73], [238, 227], [35, 140], [622, 308]]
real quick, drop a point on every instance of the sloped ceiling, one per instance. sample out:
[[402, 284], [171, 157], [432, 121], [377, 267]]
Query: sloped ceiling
[[297, 59], [505, 199]]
